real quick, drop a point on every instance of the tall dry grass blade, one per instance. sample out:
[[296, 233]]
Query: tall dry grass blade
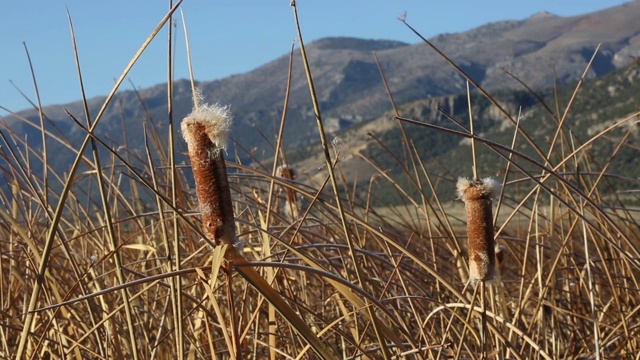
[[537, 96], [192, 80], [413, 156], [46, 251], [396, 111], [33, 105], [279, 153], [552, 173], [381, 331], [217, 261], [370, 228], [507, 171], [116, 288], [164, 232], [45, 173], [291, 209], [571, 101], [474, 160], [142, 178], [106, 207], [176, 294], [334, 184], [524, 336], [22, 172], [590, 283], [477, 86], [426, 205], [270, 276]]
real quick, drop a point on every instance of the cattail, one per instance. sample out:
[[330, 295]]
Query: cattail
[[287, 172], [205, 131], [291, 205], [477, 197], [500, 250]]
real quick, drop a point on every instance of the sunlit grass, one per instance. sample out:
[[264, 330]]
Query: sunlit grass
[[90, 258]]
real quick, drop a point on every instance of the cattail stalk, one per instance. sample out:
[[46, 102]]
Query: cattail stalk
[[205, 131], [291, 205], [500, 251], [477, 195]]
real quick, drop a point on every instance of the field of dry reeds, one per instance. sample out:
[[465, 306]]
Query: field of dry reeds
[[133, 256]]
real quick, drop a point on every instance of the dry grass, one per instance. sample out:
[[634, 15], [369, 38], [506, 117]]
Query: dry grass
[[116, 265]]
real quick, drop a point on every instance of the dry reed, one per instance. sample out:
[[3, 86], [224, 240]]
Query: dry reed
[[291, 204], [477, 197], [205, 131]]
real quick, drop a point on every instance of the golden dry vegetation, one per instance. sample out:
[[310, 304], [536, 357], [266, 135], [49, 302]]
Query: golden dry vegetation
[[109, 259]]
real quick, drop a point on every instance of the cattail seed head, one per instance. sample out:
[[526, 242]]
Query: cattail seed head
[[205, 131], [501, 251], [291, 205], [286, 172], [215, 120], [477, 196]]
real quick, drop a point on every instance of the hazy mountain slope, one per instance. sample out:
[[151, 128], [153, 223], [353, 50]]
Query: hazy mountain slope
[[348, 82], [600, 103]]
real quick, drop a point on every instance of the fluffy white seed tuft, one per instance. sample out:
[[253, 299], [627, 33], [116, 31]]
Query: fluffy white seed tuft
[[487, 187], [215, 119]]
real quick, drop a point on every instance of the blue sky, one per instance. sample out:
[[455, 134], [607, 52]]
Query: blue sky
[[226, 36]]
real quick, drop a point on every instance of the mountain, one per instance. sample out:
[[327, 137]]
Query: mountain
[[367, 150], [348, 83]]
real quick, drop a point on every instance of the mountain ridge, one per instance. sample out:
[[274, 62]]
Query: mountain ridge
[[349, 85]]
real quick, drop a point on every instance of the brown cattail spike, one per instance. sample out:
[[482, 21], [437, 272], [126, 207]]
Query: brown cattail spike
[[291, 205], [501, 251], [205, 131], [477, 197], [286, 172]]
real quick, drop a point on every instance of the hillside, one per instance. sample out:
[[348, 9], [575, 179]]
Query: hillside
[[377, 145], [349, 85]]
